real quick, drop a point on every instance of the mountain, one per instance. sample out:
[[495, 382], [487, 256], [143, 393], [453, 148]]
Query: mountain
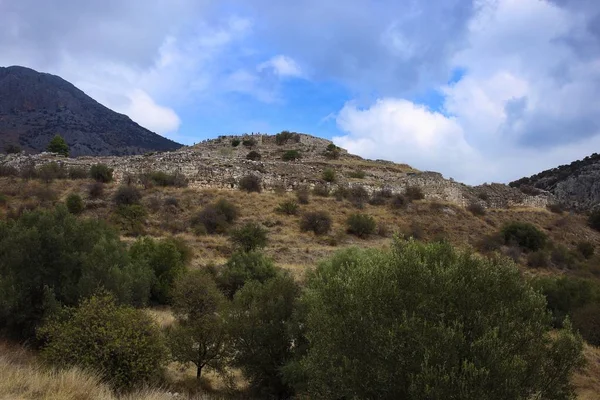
[[36, 106], [576, 186]]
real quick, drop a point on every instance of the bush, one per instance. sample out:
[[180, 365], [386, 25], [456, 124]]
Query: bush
[[525, 235], [51, 171], [555, 208], [121, 343], [101, 173], [163, 179], [361, 225], [265, 335], [251, 183], [586, 320], [562, 257], [96, 190], [329, 175], [131, 219], [249, 142], [586, 249], [75, 204], [286, 136], [216, 218], [399, 201], [413, 193], [291, 155], [289, 207], [127, 196], [78, 173], [538, 259], [332, 152], [249, 237], [235, 142], [476, 209], [6, 170], [357, 195], [358, 174], [244, 267], [446, 341], [318, 222], [594, 220], [321, 190], [303, 194], [380, 197], [58, 145], [254, 156]]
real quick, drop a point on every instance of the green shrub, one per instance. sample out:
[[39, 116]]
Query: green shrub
[[96, 190], [414, 193], [78, 173], [381, 197], [242, 268], [251, 183], [321, 190], [265, 335], [361, 225], [329, 175], [127, 196], [249, 142], [291, 155], [318, 222], [358, 174], [538, 259], [216, 218], [286, 136], [253, 156], [249, 237], [332, 152], [121, 343], [446, 342], [357, 195], [160, 178], [131, 219], [58, 145], [303, 194], [101, 173], [75, 204], [399, 201], [51, 171], [289, 207], [594, 220], [525, 235], [476, 209], [586, 249], [562, 257], [483, 196], [235, 142]]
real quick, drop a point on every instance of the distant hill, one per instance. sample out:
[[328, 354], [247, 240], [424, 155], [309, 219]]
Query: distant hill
[[576, 185], [36, 106]]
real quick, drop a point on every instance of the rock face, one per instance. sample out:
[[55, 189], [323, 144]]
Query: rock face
[[576, 186], [220, 163], [36, 106]]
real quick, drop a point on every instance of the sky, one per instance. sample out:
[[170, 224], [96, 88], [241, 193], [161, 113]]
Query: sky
[[479, 90]]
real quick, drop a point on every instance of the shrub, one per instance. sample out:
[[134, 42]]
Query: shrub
[[249, 142], [362, 290], [538, 259], [78, 173], [483, 196], [160, 178], [594, 220], [121, 343], [28, 171], [291, 155], [227, 209], [6, 170], [586, 249], [251, 183], [476, 209], [254, 156], [244, 267], [358, 174], [199, 336], [524, 234], [586, 320], [289, 207], [75, 204], [318, 222], [51, 171], [131, 219], [332, 152], [96, 190], [127, 196], [286, 136], [361, 225], [59, 146], [329, 175], [399, 201], [413, 193], [249, 237], [302, 193], [235, 142], [381, 197], [556, 208], [265, 335], [321, 190], [562, 257], [358, 196], [101, 173], [216, 218], [12, 149]]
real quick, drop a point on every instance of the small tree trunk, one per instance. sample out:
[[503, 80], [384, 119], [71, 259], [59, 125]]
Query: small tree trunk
[[198, 372]]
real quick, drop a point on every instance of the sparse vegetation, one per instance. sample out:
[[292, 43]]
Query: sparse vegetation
[[253, 156], [216, 218], [476, 209], [586, 249], [321, 190], [357, 174], [235, 142], [594, 220], [79, 173], [101, 173], [291, 155], [288, 207], [357, 195], [249, 142], [556, 208], [127, 196], [329, 175], [251, 183], [414, 193], [285, 137], [303, 195], [96, 190], [160, 178], [51, 171], [319, 222]]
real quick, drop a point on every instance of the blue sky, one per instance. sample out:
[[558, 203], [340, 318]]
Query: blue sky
[[480, 90]]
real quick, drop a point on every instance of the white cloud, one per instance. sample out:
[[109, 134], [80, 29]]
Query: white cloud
[[146, 112], [283, 66]]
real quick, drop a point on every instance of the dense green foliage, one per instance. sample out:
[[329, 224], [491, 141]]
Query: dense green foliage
[[58, 145], [199, 334], [251, 183], [361, 225], [243, 267], [525, 235], [127, 195], [284, 136], [249, 237], [263, 331], [428, 322], [319, 222], [121, 343], [291, 155], [101, 173], [160, 178], [75, 204], [130, 218], [329, 175]]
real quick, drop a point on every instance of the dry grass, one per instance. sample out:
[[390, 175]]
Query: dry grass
[[587, 382]]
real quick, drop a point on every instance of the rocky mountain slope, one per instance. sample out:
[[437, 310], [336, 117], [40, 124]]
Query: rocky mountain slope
[[36, 106], [576, 185], [220, 163]]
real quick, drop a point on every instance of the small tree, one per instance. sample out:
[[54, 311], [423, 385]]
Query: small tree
[[75, 204], [525, 235], [361, 225], [58, 145], [253, 156], [414, 193], [319, 222], [249, 237], [244, 267], [291, 155], [251, 183], [101, 173], [216, 218], [329, 175], [199, 335], [127, 196], [121, 343]]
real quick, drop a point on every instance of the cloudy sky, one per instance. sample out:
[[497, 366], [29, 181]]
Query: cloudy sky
[[480, 90]]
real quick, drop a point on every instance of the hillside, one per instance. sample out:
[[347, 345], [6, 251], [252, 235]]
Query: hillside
[[576, 185], [36, 106]]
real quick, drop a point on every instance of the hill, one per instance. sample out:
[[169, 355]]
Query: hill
[[36, 106], [576, 185]]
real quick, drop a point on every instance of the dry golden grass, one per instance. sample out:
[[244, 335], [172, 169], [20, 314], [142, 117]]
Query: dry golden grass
[[587, 381]]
